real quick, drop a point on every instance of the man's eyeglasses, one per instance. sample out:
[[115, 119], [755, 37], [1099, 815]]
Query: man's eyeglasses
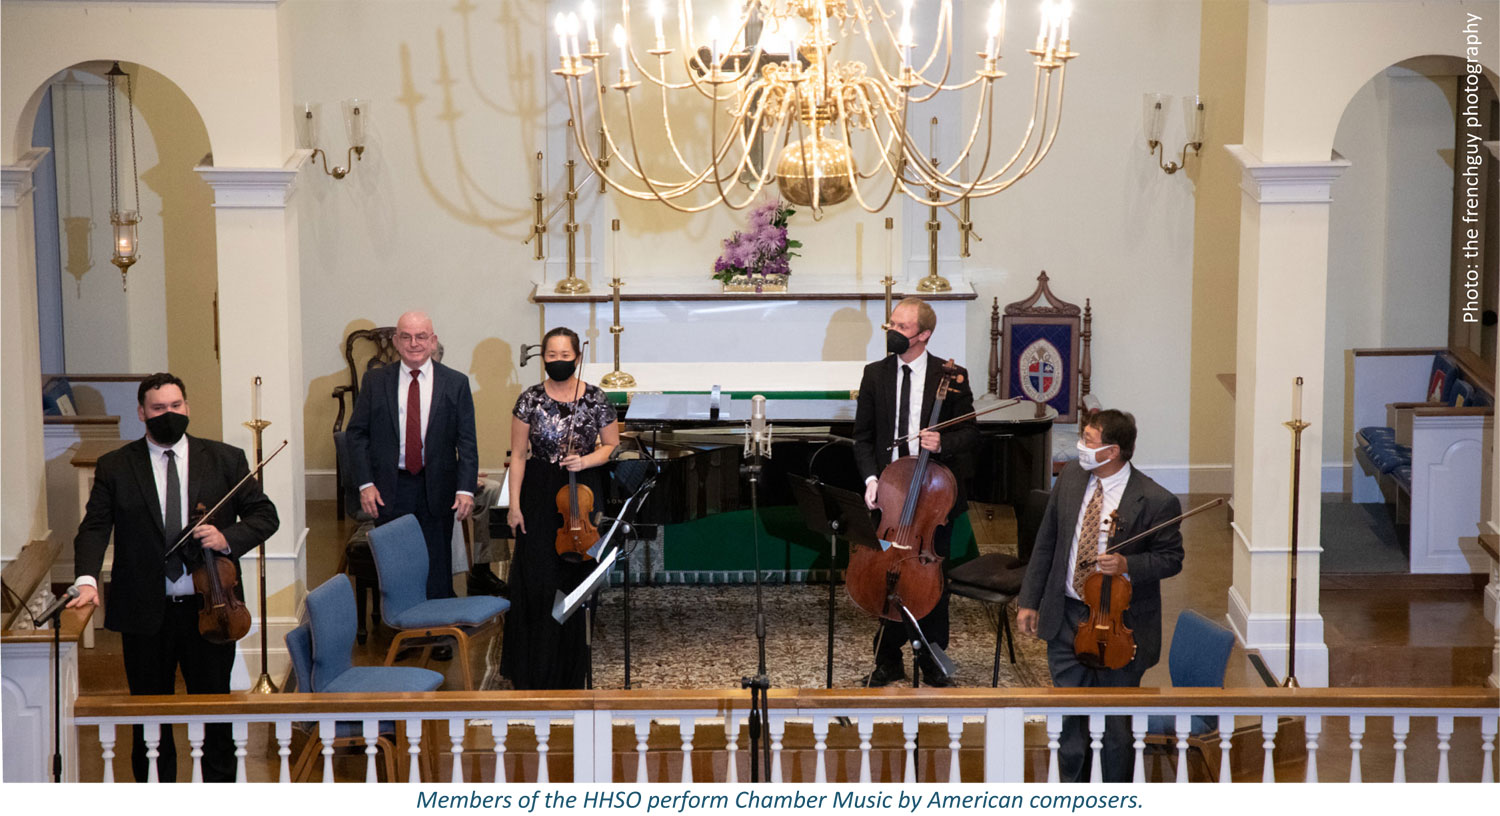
[[413, 338]]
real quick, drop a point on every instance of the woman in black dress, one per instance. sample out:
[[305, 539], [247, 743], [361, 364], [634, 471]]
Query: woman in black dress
[[567, 426]]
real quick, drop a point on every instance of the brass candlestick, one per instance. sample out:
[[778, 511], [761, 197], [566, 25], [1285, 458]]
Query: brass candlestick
[[1297, 426], [965, 228], [572, 284], [616, 378], [890, 226], [933, 282], [257, 426]]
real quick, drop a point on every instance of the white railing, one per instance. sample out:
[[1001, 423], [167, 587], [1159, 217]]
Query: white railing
[[430, 725]]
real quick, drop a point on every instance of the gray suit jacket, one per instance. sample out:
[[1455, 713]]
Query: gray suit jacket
[[1143, 505]]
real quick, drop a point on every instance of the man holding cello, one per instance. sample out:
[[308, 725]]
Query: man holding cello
[[141, 496], [896, 399], [1070, 565]]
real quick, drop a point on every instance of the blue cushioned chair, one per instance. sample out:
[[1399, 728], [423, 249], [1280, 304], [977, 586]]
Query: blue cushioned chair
[[401, 559], [1198, 658], [321, 649]]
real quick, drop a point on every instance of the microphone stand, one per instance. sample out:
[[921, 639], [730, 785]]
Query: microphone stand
[[760, 684], [835, 528], [56, 619]]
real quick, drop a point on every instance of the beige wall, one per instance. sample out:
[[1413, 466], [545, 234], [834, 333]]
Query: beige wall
[[1216, 241]]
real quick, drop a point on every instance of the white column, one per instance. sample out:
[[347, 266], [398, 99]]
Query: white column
[[260, 334], [23, 469], [1282, 305]]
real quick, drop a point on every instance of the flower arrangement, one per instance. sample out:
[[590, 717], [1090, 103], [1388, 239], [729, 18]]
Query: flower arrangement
[[758, 256]]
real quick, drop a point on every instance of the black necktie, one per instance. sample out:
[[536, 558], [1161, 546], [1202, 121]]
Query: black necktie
[[172, 517], [903, 414]]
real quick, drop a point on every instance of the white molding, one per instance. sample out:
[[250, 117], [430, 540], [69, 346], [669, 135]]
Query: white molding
[[1243, 541], [1266, 633], [1287, 182], [254, 188], [16, 179]]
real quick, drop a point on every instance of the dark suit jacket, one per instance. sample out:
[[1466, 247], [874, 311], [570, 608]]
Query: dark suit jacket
[[450, 452], [1143, 505], [124, 502], [875, 421]]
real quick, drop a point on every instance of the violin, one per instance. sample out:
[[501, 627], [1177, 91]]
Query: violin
[[222, 617], [914, 497], [575, 503], [1103, 641]]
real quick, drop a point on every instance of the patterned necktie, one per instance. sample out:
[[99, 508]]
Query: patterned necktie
[[414, 425], [1088, 540], [904, 414], [171, 517]]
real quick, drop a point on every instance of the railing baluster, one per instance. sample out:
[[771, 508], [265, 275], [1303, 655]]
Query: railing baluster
[[543, 734], [195, 742], [1356, 744], [955, 737], [642, 737], [413, 752], [1183, 725], [327, 731], [866, 726], [820, 748], [1054, 734], [909, 729], [240, 732], [499, 730], [1268, 724], [732, 743], [1096, 747], [370, 730], [1444, 734], [107, 747], [685, 727], [1138, 730], [152, 735], [1400, 727], [778, 730], [1487, 726], [284, 750], [1314, 727], [456, 749], [1226, 741]]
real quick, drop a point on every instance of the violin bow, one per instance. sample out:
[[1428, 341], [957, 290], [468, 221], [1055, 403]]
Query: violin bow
[[954, 421], [1193, 512], [227, 496]]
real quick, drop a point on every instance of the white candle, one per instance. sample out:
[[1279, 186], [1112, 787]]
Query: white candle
[[657, 10], [992, 29], [1067, 16], [1297, 400], [561, 24], [624, 57], [573, 35], [588, 19], [255, 398], [713, 39], [1041, 34], [906, 38]]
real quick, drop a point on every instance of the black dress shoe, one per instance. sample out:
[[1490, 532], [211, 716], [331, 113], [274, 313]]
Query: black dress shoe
[[884, 675], [442, 652], [932, 677], [486, 583]]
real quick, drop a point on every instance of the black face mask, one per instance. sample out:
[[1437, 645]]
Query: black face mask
[[167, 428], [896, 342], [561, 370]]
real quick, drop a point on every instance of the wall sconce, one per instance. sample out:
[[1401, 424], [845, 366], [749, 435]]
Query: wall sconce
[[1157, 106], [355, 111]]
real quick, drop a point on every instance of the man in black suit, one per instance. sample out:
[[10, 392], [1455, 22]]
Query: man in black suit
[[412, 447], [1068, 543], [142, 496], [896, 397]]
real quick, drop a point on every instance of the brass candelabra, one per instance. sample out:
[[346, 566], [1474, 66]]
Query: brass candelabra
[[1297, 425], [263, 684], [616, 378]]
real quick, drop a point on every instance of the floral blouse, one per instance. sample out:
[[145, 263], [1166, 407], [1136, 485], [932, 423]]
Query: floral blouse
[[553, 422]]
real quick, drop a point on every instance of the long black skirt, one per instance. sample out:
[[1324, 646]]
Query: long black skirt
[[538, 652]]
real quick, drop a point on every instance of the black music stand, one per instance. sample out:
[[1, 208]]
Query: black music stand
[[830, 511]]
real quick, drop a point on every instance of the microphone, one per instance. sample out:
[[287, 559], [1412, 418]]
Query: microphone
[[57, 605], [758, 441]]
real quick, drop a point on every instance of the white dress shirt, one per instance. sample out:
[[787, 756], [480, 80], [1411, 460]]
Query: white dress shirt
[[915, 418], [1114, 487], [403, 393], [158, 456]]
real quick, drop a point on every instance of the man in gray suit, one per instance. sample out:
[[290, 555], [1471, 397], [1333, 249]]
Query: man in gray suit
[[412, 447], [1068, 549]]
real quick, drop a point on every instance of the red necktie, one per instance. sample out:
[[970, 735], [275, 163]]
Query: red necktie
[[414, 426]]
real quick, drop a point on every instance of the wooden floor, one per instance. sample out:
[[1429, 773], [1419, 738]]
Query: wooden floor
[[1377, 636]]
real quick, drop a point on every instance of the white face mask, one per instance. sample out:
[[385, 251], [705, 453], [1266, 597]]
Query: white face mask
[[1088, 458]]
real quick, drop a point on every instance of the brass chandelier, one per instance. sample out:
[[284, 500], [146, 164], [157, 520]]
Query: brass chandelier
[[785, 104]]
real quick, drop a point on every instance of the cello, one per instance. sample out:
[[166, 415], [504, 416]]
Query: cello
[[914, 496], [575, 503]]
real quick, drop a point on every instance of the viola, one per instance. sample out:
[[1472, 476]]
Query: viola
[[575, 503], [222, 616], [914, 497], [1103, 641]]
